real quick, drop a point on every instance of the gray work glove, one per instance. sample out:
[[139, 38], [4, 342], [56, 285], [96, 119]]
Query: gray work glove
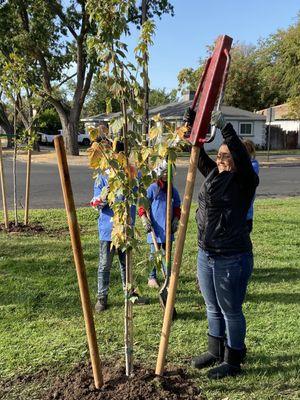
[[218, 120], [146, 224], [175, 224]]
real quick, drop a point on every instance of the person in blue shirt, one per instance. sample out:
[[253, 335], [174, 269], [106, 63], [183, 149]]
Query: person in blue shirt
[[250, 146], [157, 196], [106, 251]]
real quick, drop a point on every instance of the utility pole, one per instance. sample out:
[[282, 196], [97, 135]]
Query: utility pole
[[269, 132]]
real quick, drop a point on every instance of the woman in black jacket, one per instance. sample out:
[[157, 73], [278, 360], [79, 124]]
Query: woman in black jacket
[[225, 259]]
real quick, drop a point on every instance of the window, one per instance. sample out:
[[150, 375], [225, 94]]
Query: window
[[246, 128]]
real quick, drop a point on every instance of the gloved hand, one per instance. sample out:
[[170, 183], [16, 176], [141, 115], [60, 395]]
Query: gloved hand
[[98, 203], [174, 225], [218, 120], [189, 116], [146, 224]]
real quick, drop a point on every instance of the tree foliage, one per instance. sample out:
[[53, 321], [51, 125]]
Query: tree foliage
[[158, 97], [260, 76], [51, 36]]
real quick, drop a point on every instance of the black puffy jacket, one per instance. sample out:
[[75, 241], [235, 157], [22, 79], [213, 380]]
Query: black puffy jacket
[[224, 200]]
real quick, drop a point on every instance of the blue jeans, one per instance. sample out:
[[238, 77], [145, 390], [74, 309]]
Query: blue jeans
[[153, 273], [106, 255], [223, 282]]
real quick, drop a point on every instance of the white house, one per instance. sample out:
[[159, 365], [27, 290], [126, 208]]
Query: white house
[[247, 124], [279, 117]]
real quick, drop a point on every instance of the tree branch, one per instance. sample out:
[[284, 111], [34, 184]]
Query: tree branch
[[58, 10]]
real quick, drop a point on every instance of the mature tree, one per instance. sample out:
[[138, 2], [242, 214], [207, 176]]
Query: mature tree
[[242, 89], [243, 86], [279, 59], [97, 98], [48, 121], [158, 97], [52, 36], [5, 122]]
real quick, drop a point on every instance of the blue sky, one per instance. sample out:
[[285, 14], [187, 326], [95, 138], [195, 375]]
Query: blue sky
[[181, 40]]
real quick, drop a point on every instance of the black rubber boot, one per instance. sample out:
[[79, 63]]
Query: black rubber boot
[[213, 355], [231, 366], [101, 304]]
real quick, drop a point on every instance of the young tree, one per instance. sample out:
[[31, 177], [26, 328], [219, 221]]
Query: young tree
[[127, 185], [139, 14]]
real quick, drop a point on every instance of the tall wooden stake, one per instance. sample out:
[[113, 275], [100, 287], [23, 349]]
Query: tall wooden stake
[[169, 218], [186, 205], [15, 165], [28, 171], [78, 258], [3, 188]]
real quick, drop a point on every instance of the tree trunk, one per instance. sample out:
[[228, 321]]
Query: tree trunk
[[6, 125], [70, 132], [69, 122]]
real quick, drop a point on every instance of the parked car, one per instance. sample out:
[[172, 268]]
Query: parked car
[[48, 138]]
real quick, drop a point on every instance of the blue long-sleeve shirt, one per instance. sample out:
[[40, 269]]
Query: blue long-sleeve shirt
[[105, 224]]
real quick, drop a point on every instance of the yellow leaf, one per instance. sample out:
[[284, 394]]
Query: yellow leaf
[[93, 132], [181, 131], [156, 118], [115, 143], [154, 132], [94, 155], [121, 158], [146, 153]]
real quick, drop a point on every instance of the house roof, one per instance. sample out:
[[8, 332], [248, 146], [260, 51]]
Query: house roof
[[278, 112], [176, 110]]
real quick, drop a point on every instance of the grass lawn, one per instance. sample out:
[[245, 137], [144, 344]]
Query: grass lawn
[[41, 323]]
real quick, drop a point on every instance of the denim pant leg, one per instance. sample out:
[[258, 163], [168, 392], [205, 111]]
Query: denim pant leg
[[216, 323], [106, 255], [122, 265], [153, 273], [231, 276]]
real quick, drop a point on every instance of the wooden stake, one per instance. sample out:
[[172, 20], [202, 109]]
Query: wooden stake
[[3, 188], [186, 205], [79, 261], [169, 219], [28, 171]]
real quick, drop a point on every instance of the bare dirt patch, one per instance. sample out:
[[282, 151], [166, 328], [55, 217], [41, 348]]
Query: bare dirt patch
[[143, 385], [33, 229], [79, 385]]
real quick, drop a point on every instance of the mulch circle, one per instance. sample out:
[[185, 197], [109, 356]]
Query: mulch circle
[[21, 228], [33, 229], [143, 385]]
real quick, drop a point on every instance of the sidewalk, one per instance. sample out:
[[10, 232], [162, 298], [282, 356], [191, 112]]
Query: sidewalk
[[48, 156]]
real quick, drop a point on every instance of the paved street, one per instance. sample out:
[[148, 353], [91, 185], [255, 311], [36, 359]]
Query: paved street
[[46, 189]]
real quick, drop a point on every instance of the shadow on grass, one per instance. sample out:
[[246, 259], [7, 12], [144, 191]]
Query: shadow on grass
[[274, 275], [274, 297]]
